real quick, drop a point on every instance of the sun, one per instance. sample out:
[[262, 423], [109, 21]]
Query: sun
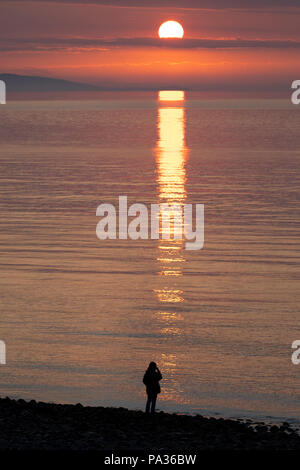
[[171, 29]]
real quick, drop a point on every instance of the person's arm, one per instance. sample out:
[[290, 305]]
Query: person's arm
[[159, 374]]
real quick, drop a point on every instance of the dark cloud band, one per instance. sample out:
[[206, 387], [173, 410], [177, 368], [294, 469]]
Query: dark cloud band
[[44, 44], [184, 4]]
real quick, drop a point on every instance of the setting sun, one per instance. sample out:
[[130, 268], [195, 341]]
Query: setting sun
[[171, 29]]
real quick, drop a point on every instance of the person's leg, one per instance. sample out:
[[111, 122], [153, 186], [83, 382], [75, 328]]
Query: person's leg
[[153, 403], [148, 404]]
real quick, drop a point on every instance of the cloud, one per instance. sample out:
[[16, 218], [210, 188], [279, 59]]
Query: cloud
[[182, 4], [52, 44]]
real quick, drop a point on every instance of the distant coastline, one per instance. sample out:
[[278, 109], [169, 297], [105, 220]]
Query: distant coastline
[[19, 84], [28, 83]]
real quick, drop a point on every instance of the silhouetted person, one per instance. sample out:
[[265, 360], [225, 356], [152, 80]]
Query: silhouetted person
[[151, 380]]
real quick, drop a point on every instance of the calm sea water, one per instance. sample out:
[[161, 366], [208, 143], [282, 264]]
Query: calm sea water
[[82, 318]]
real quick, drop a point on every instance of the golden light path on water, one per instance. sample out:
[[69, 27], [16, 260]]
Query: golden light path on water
[[171, 154]]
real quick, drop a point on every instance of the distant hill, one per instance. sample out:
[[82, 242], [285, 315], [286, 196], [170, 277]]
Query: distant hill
[[33, 83]]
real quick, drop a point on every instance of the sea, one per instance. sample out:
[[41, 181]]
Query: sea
[[81, 318]]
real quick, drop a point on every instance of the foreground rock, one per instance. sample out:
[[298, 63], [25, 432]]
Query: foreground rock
[[42, 426]]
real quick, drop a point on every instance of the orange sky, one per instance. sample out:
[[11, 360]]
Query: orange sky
[[117, 46]]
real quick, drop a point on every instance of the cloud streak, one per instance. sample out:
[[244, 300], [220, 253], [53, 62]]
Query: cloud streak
[[182, 4], [54, 44]]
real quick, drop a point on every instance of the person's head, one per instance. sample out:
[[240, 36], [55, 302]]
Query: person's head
[[152, 366]]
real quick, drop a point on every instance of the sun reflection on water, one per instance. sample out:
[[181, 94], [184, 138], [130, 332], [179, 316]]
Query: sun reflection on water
[[171, 155], [171, 95], [172, 390]]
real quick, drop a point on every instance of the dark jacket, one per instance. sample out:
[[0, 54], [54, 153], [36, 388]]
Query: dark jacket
[[151, 380]]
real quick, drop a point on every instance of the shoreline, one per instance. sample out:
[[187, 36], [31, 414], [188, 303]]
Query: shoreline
[[35, 426]]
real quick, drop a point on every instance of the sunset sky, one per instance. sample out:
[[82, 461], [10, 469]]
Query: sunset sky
[[229, 45]]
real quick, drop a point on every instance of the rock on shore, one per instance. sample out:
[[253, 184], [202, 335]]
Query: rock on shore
[[46, 426]]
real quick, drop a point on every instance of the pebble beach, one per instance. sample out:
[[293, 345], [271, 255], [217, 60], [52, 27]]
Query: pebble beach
[[40, 426]]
